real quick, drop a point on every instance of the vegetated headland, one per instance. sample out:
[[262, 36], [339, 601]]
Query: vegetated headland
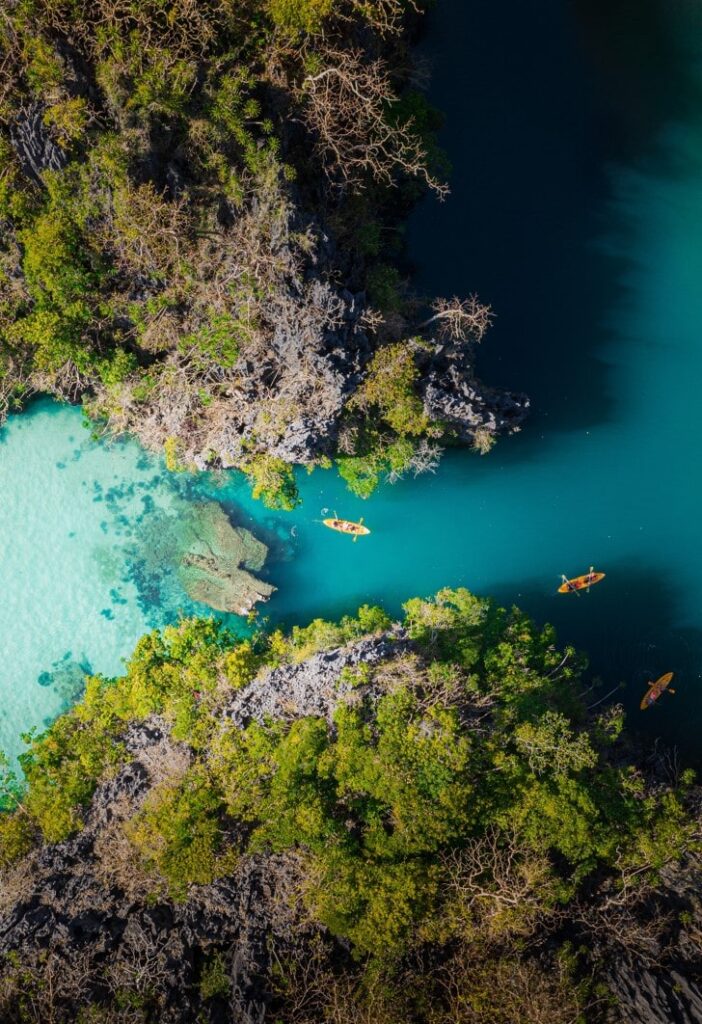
[[199, 209], [415, 821]]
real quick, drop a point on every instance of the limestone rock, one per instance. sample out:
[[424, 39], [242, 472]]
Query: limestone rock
[[33, 144], [661, 980], [453, 394], [315, 686]]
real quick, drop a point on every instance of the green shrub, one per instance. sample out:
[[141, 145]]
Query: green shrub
[[17, 836], [218, 340], [69, 119], [385, 288], [361, 473], [273, 481], [474, 744], [296, 16], [214, 981], [177, 834], [165, 675]]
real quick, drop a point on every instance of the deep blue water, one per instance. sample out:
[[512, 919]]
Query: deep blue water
[[575, 134]]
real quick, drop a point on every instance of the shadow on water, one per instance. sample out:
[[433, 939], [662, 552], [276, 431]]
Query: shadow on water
[[628, 627], [638, 50], [546, 102], [539, 98]]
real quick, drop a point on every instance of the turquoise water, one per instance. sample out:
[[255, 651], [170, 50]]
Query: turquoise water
[[575, 132], [78, 585]]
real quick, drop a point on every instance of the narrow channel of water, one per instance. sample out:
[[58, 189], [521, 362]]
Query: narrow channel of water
[[575, 131]]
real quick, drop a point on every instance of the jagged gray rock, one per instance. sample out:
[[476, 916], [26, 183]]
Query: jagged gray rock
[[66, 917], [315, 686], [452, 394], [662, 982], [32, 142], [61, 914]]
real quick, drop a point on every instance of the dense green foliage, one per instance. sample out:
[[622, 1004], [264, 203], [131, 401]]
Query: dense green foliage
[[164, 269], [459, 804], [477, 732]]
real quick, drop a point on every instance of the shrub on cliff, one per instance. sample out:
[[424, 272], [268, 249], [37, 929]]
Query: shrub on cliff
[[170, 176], [474, 746], [454, 816]]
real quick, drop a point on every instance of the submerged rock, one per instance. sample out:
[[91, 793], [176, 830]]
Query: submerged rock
[[197, 551], [215, 562]]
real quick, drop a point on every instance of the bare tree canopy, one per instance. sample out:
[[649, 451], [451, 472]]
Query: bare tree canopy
[[348, 107]]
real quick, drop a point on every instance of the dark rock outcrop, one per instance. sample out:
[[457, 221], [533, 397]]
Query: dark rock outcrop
[[77, 915], [654, 966], [64, 917], [32, 142], [453, 395], [80, 917]]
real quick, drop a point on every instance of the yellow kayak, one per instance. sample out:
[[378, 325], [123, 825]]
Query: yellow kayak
[[580, 582], [345, 526], [656, 689]]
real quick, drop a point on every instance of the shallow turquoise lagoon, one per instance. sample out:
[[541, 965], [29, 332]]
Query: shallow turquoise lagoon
[[75, 522], [579, 217]]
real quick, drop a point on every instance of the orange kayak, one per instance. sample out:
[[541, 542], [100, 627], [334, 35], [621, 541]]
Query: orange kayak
[[655, 690], [581, 582], [345, 526]]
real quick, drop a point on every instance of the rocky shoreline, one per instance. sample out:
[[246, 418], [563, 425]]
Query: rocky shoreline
[[222, 282], [75, 914]]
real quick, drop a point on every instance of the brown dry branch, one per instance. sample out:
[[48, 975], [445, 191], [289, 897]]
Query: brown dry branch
[[347, 440], [68, 382], [140, 964], [49, 990], [460, 319], [252, 275], [385, 16], [166, 761], [117, 864], [10, 48], [636, 924], [405, 671], [311, 992], [348, 109], [425, 459], [483, 987], [495, 887], [18, 882], [147, 233], [186, 28]]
